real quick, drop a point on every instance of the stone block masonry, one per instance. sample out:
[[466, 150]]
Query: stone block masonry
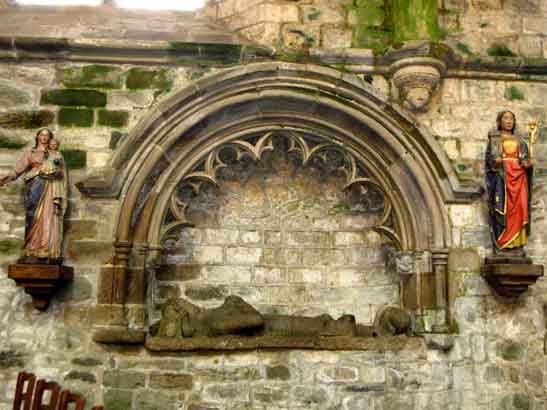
[[308, 259]]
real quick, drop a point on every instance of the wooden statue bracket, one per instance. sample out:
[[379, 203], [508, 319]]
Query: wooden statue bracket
[[41, 281], [511, 276]]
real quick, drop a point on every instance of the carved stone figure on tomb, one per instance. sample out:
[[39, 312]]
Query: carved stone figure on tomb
[[44, 172], [183, 319], [509, 182]]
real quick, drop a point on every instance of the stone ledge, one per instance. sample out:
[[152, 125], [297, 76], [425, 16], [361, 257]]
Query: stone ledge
[[228, 343], [118, 335], [130, 51]]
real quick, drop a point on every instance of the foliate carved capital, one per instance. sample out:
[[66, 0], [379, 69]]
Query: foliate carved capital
[[417, 79], [408, 263]]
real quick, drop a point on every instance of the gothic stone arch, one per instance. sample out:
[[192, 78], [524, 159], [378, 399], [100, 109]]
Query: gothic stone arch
[[244, 108]]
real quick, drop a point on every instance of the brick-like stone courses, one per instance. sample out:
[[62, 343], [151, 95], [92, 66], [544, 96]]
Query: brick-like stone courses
[[493, 360]]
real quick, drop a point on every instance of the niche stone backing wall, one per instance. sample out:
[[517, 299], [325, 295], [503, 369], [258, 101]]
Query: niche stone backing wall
[[285, 238]]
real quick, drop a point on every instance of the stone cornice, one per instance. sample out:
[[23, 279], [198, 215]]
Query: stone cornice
[[128, 51], [359, 61]]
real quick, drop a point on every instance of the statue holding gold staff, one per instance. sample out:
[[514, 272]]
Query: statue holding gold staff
[[509, 168]]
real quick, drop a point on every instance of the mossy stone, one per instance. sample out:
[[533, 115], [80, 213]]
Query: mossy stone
[[101, 76], [521, 401], [11, 358], [81, 376], [73, 97], [513, 93], [8, 246], [500, 50], [511, 351], [9, 143], [115, 399], [74, 158], [415, 20], [114, 119], [374, 27], [115, 138], [26, 119], [278, 372], [141, 78], [206, 292], [76, 117]]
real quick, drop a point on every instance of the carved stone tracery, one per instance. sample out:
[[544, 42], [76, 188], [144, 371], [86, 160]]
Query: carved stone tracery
[[309, 149]]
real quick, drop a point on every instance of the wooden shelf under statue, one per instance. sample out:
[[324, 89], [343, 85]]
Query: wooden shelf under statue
[[40, 270], [509, 164]]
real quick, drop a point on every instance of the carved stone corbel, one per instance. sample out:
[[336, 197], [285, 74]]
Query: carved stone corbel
[[417, 79]]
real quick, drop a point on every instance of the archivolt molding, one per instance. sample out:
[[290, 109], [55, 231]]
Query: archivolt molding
[[400, 153]]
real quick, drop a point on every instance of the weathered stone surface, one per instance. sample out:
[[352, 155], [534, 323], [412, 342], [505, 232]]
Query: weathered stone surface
[[12, 97], [75, 117], [26, 119], [73, 97], [205, 292], [81, 376], [141, 78], [123, 379], [90, 76], [278, 372], [114, 119], [171, 381], [510, 350], [154, 400], [243, 343], [115, 399]]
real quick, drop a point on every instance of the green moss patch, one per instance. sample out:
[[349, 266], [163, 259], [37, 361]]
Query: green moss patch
[[76, 117], [141, 78], [115, 119], [26, 119], [10, 246], [74, 97], [115, 139], [415, 20], [74, 158], [500, 50], [8, 143], [314, 14], [464, 48], [101, 76], [513, 93], [374, 27], [310, 40]]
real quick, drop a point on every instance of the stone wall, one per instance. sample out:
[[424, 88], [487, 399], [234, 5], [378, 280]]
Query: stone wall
[[476, 27], [494, 357]]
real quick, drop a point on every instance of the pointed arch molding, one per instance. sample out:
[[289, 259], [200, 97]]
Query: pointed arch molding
[[398, 153]]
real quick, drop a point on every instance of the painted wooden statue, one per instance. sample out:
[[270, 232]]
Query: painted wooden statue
[[44, 172], [509, 167]]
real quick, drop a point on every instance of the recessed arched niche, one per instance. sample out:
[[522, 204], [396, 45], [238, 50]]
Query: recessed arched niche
[[270, 178], [290, 222]]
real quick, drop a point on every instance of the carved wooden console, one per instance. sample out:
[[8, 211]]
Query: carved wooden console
[[40, 281], [511, 276]]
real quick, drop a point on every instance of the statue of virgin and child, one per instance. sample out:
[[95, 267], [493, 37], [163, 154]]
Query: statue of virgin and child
[[45, 198]]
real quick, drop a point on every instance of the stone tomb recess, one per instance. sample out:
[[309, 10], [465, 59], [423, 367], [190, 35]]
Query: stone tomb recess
[[299, 191], [291, 224]]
